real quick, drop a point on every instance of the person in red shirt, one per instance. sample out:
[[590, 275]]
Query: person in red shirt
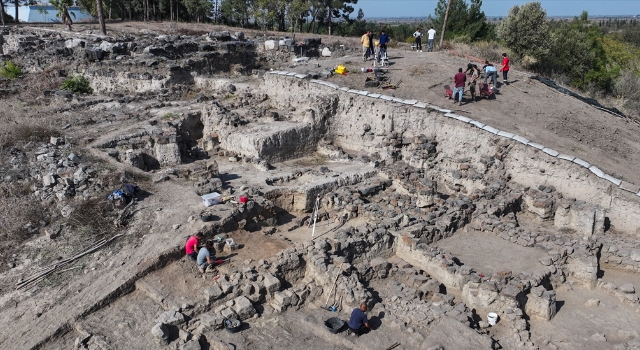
[[505, 68], [459, 79], [191, 247]]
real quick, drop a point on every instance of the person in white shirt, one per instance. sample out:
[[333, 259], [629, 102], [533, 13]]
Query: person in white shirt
[[418, 36], [431, 37]]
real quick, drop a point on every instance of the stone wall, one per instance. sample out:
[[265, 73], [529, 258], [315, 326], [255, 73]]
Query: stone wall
[[383, 115]]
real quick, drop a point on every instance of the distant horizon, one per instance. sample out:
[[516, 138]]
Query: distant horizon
[[374, 9], [426, 17]]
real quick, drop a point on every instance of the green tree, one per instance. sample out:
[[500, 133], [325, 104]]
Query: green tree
[[198, 9], [569, 54], [62, 6], [525, 31], [466, 21], [339, 9], [236, 12], [297, 11]]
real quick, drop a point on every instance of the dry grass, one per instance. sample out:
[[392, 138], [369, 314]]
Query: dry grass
[[482, 50], [313, 160], [16, 210], [36, 84], [24, 131]]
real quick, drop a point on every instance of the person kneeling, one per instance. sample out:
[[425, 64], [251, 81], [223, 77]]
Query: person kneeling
[[358, 323], [205, 258]]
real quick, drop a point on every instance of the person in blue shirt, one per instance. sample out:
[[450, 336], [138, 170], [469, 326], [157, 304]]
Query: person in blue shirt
[[205, 258], [384, 39], [358, 323], [382, 52], [490, 72]]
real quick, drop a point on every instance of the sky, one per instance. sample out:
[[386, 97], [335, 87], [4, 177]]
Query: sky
[[423, 8]]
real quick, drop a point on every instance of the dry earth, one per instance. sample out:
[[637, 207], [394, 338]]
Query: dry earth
[[431, 248]]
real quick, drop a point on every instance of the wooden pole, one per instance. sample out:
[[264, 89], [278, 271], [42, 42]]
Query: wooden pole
[[444, 25]]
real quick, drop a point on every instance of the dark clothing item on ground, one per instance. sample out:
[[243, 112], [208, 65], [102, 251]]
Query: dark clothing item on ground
[[360, 331]]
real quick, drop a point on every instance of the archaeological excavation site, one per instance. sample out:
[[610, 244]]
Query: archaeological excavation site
[[506, 223]]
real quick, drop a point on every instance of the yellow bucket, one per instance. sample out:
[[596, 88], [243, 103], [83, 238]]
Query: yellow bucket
[[341, 69]]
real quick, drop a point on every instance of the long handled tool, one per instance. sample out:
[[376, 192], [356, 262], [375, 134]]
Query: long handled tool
[[334, 285]]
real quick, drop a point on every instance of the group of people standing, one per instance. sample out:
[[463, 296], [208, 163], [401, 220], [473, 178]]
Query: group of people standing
[[431, 35], [368, 47], [472, 74]]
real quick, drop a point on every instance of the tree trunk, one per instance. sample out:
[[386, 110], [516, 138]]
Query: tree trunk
[[444, 25], [330, 19], [103, 28], [171, 11], [17, 3], [1, 14]]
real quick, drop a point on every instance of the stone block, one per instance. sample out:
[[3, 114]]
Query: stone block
[[627, 186], [167, 154], [243, 307], [271, 45], [271, 283], [586, 219], [160, 332], [212, 320], [627, 288], [226, 287], [543, 207], [192, 345], [228, 313], [212, 293], [171, 318], [281, 298], [48, 181], [56, 141]]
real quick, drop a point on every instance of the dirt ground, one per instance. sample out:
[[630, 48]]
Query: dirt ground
[[619, 277], [525, 107], [488, 254], [575, 324]]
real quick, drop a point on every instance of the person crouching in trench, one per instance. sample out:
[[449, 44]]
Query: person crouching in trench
[[358, 323]]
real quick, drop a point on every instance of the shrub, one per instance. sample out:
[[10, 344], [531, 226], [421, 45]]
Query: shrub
[[10, 70], [78, 84]]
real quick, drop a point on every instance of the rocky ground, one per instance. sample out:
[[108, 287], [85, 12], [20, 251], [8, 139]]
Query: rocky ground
[[428, 217]]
